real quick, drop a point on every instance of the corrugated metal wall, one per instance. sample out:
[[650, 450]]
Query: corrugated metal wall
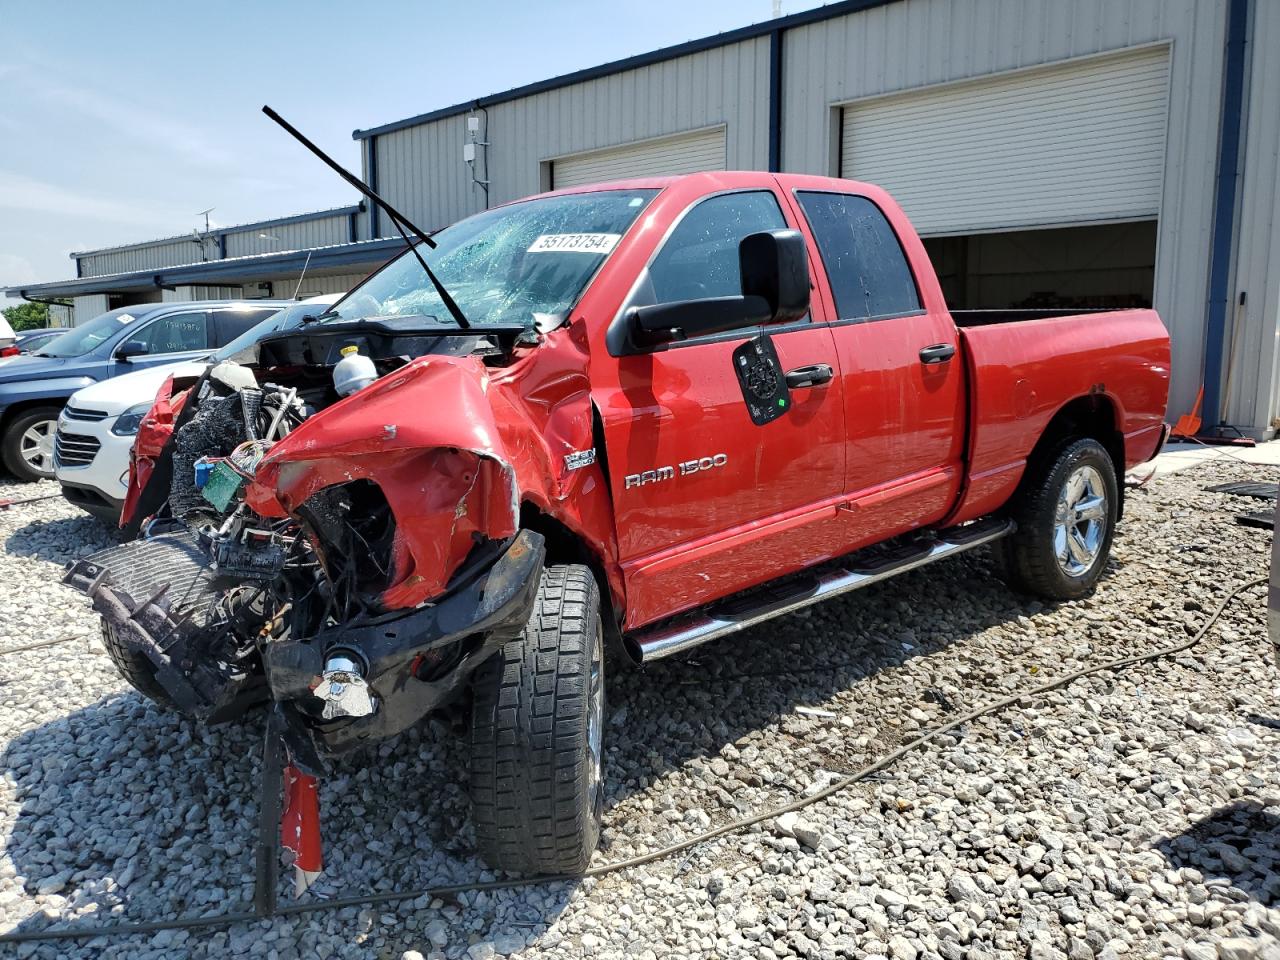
[[1252, 394], [87, 307], [915, 43], [149, 256], [319, 232], [420, 168], [313, 286]]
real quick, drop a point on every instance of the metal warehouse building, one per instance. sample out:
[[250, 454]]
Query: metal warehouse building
[[1053, 153]]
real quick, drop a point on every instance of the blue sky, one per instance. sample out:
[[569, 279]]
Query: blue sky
[[119, 121]]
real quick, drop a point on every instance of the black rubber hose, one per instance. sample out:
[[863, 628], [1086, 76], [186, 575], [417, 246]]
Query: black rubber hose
[[130, 929]]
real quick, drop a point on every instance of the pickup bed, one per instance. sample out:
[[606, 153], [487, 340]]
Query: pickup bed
[[644, 415]]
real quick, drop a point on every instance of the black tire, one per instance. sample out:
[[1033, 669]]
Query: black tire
[[11, 445], [135, 668], [536, 782], [1033, 558]]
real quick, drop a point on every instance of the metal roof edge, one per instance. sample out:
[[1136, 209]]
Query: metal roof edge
[[235, 228], [346, 254], [750, 32]]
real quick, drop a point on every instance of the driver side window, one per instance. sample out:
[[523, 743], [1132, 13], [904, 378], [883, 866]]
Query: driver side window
[[700, 258], [174, 334]]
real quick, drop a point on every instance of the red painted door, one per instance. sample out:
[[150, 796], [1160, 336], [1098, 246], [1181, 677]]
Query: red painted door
[[902, 370], [706, 502]]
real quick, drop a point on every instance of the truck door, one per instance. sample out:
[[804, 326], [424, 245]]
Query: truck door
[[903, 375], [706, 502]]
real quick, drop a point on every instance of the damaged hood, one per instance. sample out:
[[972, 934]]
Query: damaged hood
[[453, 445]]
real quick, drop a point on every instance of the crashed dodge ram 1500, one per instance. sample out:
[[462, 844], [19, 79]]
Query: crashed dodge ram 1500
[[638, 416]]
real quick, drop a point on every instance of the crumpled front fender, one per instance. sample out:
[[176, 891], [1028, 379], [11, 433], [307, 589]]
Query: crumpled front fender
[[426, 436]]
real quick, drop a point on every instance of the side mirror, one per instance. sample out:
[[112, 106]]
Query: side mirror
[[775, 289], [131, 348], [775, 267]]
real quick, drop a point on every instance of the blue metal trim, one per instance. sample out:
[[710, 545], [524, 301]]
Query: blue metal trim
[[371, 178], [237, 228], [222, 246], [775, 101], [829, 12], [1224, 213], [247, 268]]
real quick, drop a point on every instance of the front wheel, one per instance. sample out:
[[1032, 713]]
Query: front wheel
[[27, 447], [1066, 516], [537, 734]]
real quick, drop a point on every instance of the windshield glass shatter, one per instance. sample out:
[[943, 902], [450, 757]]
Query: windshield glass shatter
[[504, 266]]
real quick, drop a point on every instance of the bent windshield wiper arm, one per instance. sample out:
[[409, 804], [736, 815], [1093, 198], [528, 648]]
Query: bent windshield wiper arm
[[399, 219]]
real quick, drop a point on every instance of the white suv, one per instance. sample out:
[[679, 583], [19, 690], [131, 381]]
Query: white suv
[[97, 426]]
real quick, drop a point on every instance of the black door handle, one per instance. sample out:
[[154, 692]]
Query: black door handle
[[938, 353], [812, 376]]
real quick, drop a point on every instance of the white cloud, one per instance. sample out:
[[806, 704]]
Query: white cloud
[[15, 270], [131, 120], [26, 193]]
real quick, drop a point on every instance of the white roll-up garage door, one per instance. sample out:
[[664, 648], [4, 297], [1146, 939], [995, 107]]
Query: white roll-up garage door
[[1075, 143], [683, 153]]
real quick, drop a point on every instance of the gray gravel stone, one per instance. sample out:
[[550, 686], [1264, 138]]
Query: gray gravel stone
[[1123, 816]]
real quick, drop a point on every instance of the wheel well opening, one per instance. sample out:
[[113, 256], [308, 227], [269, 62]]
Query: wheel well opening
[[23, 406], [1093, 416], [565, 546]]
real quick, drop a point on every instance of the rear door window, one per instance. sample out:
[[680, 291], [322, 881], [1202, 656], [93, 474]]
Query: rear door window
[[176, 333], [869, 273]]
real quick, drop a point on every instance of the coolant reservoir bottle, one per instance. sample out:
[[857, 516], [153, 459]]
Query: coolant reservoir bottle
[[353, 372]]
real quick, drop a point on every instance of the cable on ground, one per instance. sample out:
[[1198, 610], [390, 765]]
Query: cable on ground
[[83, 931], [36, 646]]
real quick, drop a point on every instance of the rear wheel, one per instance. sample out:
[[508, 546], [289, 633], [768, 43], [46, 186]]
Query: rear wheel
[[1066, 516], [537, 734], [27, 447]]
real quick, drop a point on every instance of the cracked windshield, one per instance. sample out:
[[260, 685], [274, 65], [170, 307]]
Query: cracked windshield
[[505, 266]]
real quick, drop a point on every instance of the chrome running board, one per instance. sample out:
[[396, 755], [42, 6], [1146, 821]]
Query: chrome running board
[[830, 580]]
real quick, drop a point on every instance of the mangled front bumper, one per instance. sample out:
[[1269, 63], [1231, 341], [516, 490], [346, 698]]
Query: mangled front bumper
[[156, 595], [413, 661]]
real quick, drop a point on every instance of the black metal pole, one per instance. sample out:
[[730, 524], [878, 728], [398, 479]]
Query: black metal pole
[[266, 874], [348, 176]]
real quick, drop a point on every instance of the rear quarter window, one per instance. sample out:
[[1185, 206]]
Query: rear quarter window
[[229, 324], [868, 271]]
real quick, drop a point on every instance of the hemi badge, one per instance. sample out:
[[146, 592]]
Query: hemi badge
[[579, 459]]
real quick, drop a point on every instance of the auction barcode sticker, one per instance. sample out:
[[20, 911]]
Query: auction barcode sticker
[[575, 243]]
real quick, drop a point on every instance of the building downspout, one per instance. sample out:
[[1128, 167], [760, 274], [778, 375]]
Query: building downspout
[[1224, 212], [371, 178]]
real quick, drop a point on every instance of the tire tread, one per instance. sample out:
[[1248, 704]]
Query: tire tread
[[529, 759]]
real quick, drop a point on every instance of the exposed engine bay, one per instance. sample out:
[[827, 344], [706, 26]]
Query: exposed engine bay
[[312, 541]]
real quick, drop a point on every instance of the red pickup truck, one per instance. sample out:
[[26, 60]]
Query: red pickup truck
[[637, 416]]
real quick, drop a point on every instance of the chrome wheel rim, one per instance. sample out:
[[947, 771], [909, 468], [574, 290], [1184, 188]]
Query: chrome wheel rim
[[1080, 521], [35, 446], [595, 724]]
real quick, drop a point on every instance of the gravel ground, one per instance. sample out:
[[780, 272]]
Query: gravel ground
[[1134, 815]]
